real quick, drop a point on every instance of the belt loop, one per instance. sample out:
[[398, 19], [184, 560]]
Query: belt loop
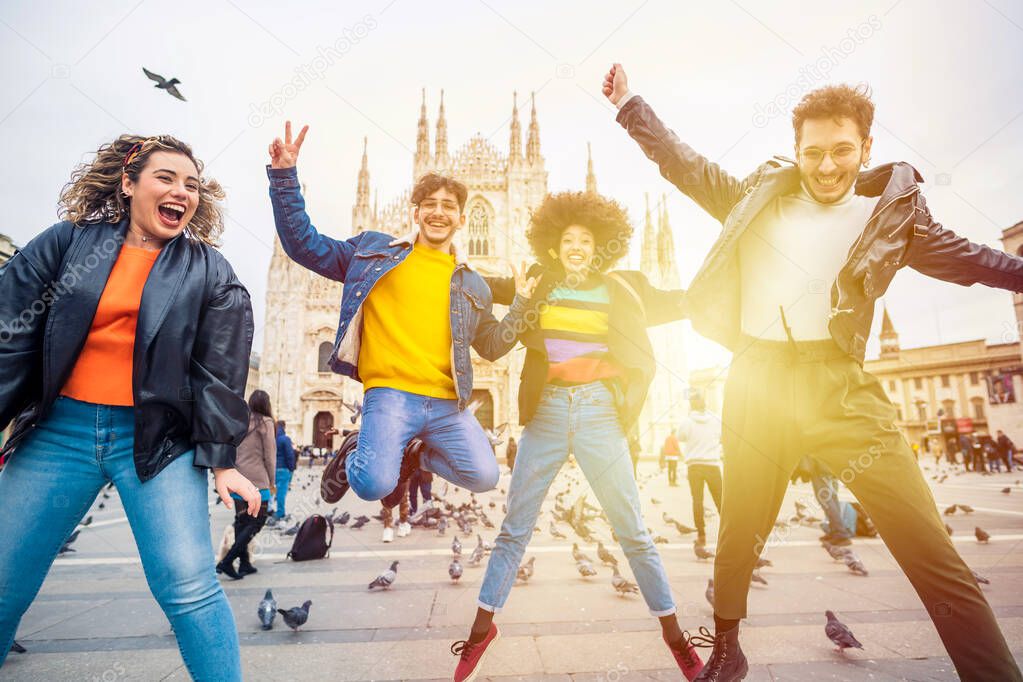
[[788, 333]]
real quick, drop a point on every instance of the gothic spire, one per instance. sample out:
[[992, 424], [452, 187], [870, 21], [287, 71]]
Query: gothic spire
[[648, 249], [533, 140], [666, 250], [362, 218], [889, 337], [515, 143], [422, 158], [441, 160]]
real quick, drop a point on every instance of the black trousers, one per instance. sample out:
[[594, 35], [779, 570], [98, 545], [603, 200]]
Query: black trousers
[[700, 475], [245, 528]]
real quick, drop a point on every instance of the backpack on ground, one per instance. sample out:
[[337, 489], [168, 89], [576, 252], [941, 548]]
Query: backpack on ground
[[312, 540]]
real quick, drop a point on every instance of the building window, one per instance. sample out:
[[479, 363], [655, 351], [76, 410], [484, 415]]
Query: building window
[[944, 381], [974, 378], [921, 409], [949, 406], [891, 385], [918, 383], [323, 361], [478, 230], [978, 408]]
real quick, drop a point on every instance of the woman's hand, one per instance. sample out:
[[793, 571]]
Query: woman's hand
[[524, 286], [229, 481], [285, 154], [616, 84]]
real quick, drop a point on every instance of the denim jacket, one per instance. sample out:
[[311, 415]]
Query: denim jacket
[[362, 260]]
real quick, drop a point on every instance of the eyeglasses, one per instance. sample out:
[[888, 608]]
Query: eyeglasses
[[842, 154], [432, 205]]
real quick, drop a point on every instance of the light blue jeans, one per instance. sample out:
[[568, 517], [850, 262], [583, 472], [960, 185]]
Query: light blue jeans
[[49, 484], [457, 449], [581, 420], [282, 479]]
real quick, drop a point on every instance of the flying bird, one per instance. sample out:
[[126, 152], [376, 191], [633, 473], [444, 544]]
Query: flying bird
[[853, 563], [387, 578], [296, 617], [171, 86], [343, 519], [66, 547], [606, 557], [621, 585], [965, 508], [979, 578], [267, 610], [839, 633]]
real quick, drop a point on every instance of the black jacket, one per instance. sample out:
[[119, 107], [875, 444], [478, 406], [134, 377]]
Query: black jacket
[[627, 340], [192, 341], [900, 233]]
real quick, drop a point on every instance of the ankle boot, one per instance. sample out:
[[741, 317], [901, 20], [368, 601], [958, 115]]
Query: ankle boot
[[245, 566], [727, 662], [227, 569]]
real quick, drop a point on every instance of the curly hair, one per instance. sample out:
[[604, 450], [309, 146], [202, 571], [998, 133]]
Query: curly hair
[[605, 218], [836, 101], [431, 182], [94, 193]]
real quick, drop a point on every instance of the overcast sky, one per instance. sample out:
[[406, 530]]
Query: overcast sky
[[945, 79]]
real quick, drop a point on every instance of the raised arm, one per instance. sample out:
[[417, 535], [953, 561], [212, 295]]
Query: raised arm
[[662, 305], [301, 241], [693, 174], [942, 254]]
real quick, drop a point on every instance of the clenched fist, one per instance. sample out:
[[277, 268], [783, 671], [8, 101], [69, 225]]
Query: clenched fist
[[616, 83], [285, 154]]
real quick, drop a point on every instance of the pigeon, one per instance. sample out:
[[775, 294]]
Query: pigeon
[[838, 633], [578, 554], [86, 522], [387, 578], [981, 535], [757, 578], [296, 617], [942, 479], [456, 547], [965, 508], [654, 500], [761, 562], [979, 578], [709, 593], [343, 519], [660, 540], [701, 552], [950, 510], [555, 533], [621, 585], [455, 570], [606, 557], [103, 506], [293, 530], [853, 563], [66, 547], [267, 610], [359, 522], [525, 571], [1006, 491], [585, 568], [442, 525], [171, 86], [837, 553], [330, 516], [17, 648]]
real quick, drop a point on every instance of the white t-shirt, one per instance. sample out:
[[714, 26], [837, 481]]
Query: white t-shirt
[[790, 255], [699, 434]]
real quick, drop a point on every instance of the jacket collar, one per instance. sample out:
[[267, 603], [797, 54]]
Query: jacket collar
[[410, 238]]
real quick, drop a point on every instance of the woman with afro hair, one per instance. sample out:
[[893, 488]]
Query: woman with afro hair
[[588, 366]]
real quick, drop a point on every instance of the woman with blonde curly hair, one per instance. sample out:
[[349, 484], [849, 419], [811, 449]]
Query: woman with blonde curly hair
[[588, 366], [124, 345]]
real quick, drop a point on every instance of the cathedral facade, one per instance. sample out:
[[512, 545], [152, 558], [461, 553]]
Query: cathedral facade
[[302, 307]]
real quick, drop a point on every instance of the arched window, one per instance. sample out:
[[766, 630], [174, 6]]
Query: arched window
[[950, 408], [479, 229], [978, 407], [323, 362]]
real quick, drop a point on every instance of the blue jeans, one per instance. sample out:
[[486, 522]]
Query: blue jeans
[[825, 489], [50, 483], [457, 448], [282, 479], [581, 420]]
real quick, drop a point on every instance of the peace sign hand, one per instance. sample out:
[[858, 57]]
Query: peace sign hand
[[285, 154], [524, 286]]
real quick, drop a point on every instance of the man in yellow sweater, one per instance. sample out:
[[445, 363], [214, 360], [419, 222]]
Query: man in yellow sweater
[[411, 308]]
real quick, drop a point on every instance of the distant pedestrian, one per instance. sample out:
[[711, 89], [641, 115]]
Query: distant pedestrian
[[671, 453], [286, 462], [257, 461], [700, 431], [511, 450], [1006, 449]]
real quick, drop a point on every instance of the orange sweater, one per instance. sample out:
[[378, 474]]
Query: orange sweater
[[103, 371]]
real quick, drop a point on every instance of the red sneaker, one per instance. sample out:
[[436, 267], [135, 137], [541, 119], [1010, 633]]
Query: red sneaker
[[684, 651], [471, 655]]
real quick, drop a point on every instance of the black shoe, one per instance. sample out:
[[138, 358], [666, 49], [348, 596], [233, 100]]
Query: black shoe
[[334, 481], [410, 462], [245, 568], [727, 663], [228, 570]]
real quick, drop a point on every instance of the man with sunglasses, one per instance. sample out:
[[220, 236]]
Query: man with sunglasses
[[806, 249]]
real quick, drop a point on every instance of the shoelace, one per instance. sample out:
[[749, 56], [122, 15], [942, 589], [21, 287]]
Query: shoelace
[[718, 657], [703, 639], [463, 648]]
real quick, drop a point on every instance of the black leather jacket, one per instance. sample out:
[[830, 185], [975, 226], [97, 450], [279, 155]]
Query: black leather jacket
[[901, 232], [191, 351]]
